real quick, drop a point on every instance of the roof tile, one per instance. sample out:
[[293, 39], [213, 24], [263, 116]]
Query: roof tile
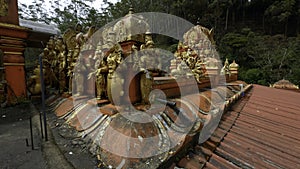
[[264, 132]]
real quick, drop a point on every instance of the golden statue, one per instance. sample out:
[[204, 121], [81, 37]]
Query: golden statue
[[115, 81], [34, 82], [73, 50], [70, 74], [101, 75], [135, 57], [147, 65], [80, 71], [61, 57], [87, 38], [48, 61], [225, 70], [114, 59], [199, 70], [69, 38], [197, 52], [100, 72]]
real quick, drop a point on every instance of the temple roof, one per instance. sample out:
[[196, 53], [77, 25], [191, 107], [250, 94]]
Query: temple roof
[[259, 131], [40, 32], [285, 84]]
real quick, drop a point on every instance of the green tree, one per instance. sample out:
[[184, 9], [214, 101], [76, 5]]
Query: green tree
[[280, 12], [63, 13]]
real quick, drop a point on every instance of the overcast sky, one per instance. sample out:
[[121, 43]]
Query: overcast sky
[[96, 4]]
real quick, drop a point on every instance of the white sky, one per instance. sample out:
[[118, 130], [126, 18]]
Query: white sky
[[96, 4]]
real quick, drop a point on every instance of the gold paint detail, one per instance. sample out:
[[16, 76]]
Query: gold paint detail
[[11, 26], [11, 46], [13, 53], [14, 64], [3, 47], [10, 38]]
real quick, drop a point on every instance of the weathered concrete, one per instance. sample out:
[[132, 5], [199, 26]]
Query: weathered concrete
[[14, 130]]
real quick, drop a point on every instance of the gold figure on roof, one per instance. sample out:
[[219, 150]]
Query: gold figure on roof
[[199, 70], [62, 65], [197, 52], [114, 59], [80, 70], [101, 79], [131, 27], [225, 70], [48, 61], [100, 72]]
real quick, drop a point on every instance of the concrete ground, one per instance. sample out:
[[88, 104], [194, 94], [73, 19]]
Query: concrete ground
[[16, 152]]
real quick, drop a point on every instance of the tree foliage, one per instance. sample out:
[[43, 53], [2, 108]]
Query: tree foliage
[[265, 59]]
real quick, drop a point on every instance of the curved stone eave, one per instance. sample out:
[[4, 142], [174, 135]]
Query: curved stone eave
[[91, 130]]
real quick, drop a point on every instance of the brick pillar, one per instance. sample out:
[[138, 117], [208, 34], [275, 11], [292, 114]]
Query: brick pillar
[[12, 45]]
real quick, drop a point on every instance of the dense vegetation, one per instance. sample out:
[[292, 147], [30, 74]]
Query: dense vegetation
[[263, 36]]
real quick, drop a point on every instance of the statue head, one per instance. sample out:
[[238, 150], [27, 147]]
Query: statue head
[[78, 28]]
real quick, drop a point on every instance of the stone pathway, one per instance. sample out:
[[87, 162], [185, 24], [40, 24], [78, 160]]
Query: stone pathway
[[14, 130]]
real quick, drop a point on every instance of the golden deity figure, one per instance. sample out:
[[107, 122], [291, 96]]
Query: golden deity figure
[[199, 70], [115, 80], [87, 38], [148, 61], [69, 38], [184, 61], [135, 56], [80, 76], [114, 59], [55, 64], [225, 70], [177, 57], [191, 61], [179, 50], [73, 50], [186, 53], [100, 71], [182, 70], [71, 66], [34, 82], [48, 59], [101, 75], [70, 75], [49, 51], [61, 57], [147, 65]]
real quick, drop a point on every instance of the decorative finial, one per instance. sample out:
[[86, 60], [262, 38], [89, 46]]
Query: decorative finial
[[233, 65], [131, 11]]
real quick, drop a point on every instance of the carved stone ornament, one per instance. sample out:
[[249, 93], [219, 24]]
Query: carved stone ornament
[[131, 27], [3, 8]]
